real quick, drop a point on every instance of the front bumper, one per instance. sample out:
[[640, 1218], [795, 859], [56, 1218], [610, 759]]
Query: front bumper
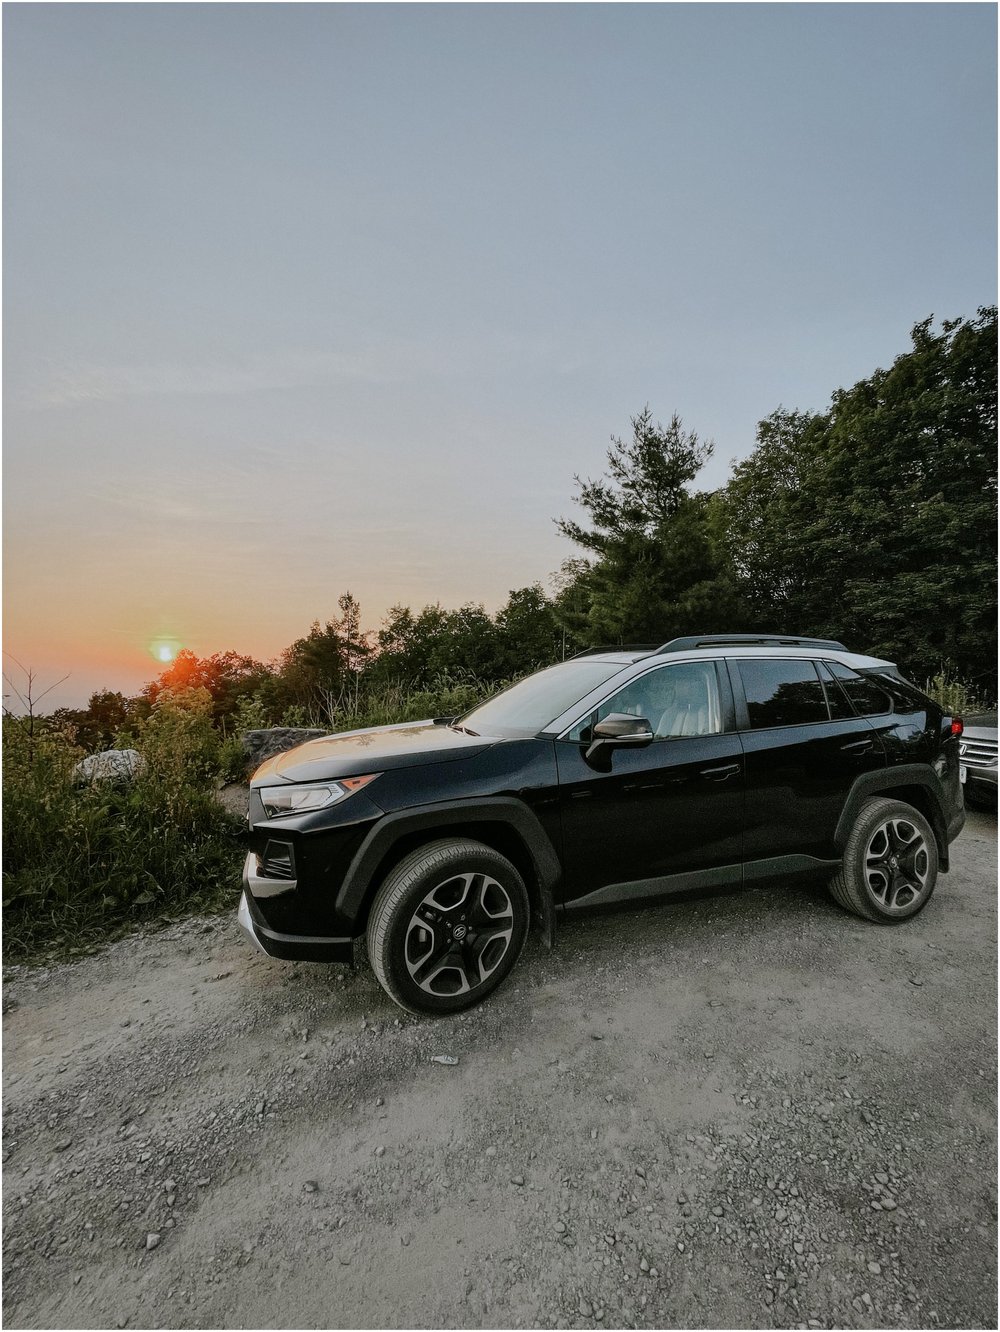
[[289, 947]]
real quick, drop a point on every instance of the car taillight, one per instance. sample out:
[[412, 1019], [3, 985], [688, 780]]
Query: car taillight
[[957, 726]]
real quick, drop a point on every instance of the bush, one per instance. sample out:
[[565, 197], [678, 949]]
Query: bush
[[86, 861], [954, 695], [399, 702]]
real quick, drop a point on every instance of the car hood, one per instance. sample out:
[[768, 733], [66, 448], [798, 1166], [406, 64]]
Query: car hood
[[351, 753]]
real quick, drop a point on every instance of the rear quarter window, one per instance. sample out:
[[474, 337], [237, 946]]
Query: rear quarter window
[[866, 697]]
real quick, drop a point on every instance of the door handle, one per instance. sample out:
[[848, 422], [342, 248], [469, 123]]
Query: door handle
[[858, 747], [721, 773]]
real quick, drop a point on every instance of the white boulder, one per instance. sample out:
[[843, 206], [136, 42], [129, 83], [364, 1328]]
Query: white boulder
[[118, 766]]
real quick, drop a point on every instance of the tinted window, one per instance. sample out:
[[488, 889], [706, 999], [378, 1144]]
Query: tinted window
[[677, 701], [865, 695], [782, 693], [840, 705], [905, 697]]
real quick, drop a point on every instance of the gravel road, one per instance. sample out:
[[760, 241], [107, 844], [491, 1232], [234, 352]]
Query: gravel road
[[750, 1110]]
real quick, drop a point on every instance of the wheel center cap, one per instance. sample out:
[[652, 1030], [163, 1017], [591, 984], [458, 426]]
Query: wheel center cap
[[894, 862], [460, 931]]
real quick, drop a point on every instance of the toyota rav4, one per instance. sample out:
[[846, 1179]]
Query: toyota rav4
[[617, 776]]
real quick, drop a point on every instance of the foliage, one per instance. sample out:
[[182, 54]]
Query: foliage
[[83, 860], [527, 634], [228, 677], [954, 695], [420, 648], [319, 668], [876, 522], [655, 566], [95, 726], [645, 486], [397, 702]]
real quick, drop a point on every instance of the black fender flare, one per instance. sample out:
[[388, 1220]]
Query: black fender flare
[[887, 779], [358, 880]]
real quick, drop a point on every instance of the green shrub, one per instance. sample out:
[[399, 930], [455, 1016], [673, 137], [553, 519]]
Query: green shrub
[[81, 861], [399, 702], [954, 695]]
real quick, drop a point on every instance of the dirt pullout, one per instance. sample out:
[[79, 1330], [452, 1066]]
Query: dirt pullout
[[751, 1110]]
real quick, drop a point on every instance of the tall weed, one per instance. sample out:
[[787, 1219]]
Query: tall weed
[[954, 695], [399, 702], [84, 860]]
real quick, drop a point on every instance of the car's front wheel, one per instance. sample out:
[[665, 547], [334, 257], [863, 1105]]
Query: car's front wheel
[[890, 863], [447, 926]]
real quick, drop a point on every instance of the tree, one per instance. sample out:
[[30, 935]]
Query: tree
[[645, 486], [416, 649], [528, 634], [319, 671], [28, 697], [656, 566], [875, 522], [227, 676]]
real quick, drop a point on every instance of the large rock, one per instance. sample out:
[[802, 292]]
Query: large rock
[[261, 745], [117, 767]]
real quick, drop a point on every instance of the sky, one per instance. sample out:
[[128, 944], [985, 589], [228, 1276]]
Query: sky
[[302, 299]]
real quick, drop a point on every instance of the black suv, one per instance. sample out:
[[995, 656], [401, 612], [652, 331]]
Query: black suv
[[616, 776]]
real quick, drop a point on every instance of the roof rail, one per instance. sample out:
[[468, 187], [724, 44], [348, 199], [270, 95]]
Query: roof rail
[[747, 640], [616, 647]]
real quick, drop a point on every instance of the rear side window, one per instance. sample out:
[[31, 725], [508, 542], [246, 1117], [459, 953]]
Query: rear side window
[[867, 698], [782, 693]]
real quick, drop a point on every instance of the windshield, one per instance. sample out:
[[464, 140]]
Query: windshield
[[527, 707]]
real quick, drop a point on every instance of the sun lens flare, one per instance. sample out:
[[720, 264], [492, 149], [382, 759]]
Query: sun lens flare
[[165, 649]]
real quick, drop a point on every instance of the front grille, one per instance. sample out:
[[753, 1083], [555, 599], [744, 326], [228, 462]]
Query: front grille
[[978, 753]]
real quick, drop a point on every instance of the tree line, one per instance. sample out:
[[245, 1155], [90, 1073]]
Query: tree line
[[873, 522]]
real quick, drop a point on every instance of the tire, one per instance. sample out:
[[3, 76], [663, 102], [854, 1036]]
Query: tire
[[890, 863], [986, 803], [447, 926]]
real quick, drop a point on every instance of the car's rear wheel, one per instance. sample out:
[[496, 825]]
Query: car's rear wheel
[[447, 926], [890, 863]]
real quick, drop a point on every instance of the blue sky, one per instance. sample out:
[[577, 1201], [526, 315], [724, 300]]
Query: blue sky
[[313, 297]]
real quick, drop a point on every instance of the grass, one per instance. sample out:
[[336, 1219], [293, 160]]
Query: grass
[[82, 861], [398, 703], [955, 695]]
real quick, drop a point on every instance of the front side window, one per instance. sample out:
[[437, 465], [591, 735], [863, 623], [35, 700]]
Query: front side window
[[782, 693], [677, 701]]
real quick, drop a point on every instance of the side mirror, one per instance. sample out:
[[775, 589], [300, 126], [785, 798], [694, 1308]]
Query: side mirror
[[617, 730]]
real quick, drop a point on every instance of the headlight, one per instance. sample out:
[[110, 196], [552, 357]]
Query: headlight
[[304, 797]]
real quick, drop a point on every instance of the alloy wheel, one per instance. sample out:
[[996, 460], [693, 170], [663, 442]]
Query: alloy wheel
[[459, 934], [897, 865]]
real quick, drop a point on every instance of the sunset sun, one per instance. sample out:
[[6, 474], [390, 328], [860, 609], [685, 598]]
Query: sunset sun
[[165, 649]]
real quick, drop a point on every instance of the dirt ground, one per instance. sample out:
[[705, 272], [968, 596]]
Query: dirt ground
[[751, 1110]]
